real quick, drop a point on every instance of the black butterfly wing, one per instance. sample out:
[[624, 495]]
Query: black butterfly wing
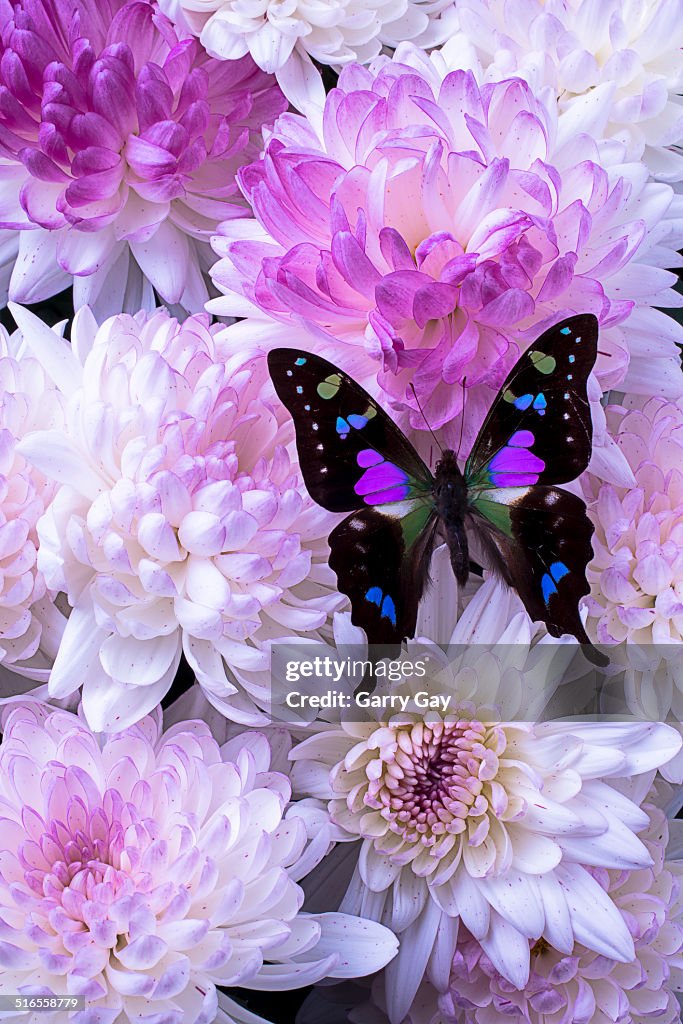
[[381, 559], [351, 453], [539, 540], [355, 459], [539, 433], [539, 429]]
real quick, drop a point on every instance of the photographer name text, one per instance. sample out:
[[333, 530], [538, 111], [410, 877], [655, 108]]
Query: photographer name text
[[420, 701]]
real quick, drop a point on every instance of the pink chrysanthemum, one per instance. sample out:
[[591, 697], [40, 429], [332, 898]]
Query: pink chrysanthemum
[[583, 987], [636, 575], [27, 403], [143, 870], [179, 524], [435, 227], [120, 141]]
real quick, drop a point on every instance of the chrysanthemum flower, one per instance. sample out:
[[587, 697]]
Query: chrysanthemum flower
[[436, 227], [179, 522], [466, 817], [119, 142], [582, 986], [636, 575], [27, 402], [621, 57], [142, 871], [283, 35]]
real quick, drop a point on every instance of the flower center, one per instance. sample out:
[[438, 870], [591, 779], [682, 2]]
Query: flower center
[[85, 859], [432, 778]]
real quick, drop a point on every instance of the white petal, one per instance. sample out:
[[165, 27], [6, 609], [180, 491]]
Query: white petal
[[164, 259], [36, 274], [474, 910], [363, 947], [302, 84], [558, 925], [78, 652], [139, 662], [52, 352], [515, 897], [54, 454], [596, 921], [508, 951], [406, 971]]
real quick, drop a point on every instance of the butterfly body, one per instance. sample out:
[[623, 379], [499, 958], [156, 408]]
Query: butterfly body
[[536, 536], [451, 504]]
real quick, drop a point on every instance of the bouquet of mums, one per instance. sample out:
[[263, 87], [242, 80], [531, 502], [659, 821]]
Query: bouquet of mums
[[341, 511]]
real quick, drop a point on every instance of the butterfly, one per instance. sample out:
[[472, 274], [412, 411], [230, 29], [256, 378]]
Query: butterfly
[[537, 434]]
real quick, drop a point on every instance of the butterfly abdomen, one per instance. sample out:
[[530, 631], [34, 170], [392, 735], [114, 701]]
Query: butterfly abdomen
[[450, 498]]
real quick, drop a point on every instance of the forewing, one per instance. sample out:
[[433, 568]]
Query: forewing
[[381, 557], [538, 430], [539, 541], [351, 453]]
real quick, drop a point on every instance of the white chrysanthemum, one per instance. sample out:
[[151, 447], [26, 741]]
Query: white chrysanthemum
[[620, 57], [636, 601], [579, 988], [584, 986], [179, 523], [143, 870], [27, 402], [636, 575], [283, 35], [469, 816]]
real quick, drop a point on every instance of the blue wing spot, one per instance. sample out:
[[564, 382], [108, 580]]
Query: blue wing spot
[[577, 340], [523, 402], [289, 373], [558, 570], [540, 402], [388, 610], [385, 603], [307, 408], [570, 376], [356, 421], [566, 394], [565, 330], [299, 389], [572, 359], [548, 588], [300, 361], [342, 427]]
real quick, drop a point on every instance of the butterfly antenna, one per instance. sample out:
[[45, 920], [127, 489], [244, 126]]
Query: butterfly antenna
[[412, 388], [462, 421]]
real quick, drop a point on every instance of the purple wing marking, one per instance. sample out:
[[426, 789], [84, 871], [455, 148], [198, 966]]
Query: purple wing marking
[[514, 465], [382, 481], [369, 457]]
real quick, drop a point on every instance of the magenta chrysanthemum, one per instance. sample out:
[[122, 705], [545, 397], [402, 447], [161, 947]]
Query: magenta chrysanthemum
[[120, 141], [142, 871], [582, 987], [436, 227], [179, 523]]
